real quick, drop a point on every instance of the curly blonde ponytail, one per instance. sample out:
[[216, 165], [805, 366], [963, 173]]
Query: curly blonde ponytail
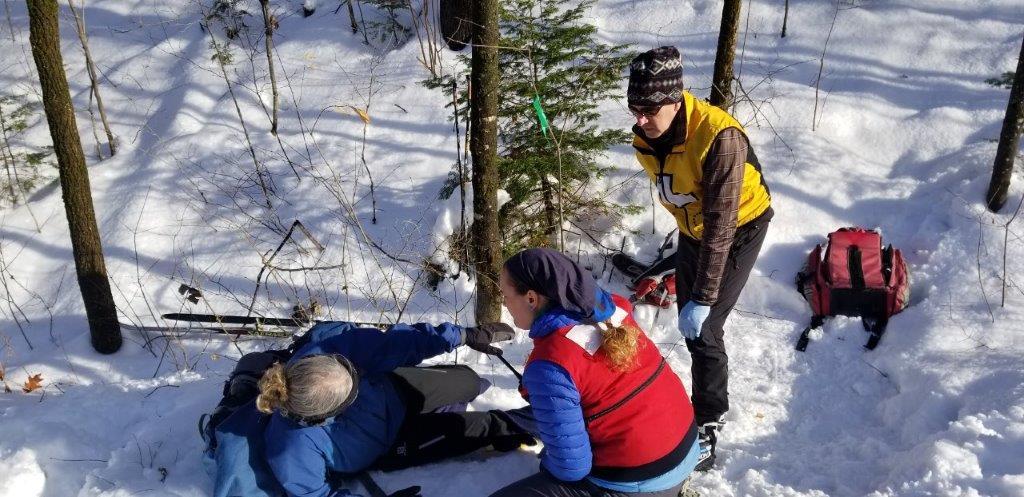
[[619, 344], [273, 389]]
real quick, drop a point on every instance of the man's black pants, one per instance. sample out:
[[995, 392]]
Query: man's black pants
[[431, 432], [710, 369]]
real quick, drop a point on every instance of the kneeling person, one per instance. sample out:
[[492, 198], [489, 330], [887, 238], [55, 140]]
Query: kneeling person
[[613, 416]]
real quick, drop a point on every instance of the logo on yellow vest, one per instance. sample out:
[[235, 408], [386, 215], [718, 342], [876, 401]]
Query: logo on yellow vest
[[669, 197]]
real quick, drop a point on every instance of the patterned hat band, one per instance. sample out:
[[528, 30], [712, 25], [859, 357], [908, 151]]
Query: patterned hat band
[[656, 67], [635, 97]]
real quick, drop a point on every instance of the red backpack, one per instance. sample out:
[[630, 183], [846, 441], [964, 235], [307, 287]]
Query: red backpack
[[857, 277]]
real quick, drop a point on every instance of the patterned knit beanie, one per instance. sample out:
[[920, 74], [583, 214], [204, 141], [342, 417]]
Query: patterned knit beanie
[[655, 77]]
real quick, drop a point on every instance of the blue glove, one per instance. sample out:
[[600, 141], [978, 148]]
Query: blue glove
[[691, 319]]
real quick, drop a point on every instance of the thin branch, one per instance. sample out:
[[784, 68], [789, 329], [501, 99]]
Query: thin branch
[[821, 67], [219, 56], [94, 80], [981, 282], [269, 23], [151, 392], [1006, 239]]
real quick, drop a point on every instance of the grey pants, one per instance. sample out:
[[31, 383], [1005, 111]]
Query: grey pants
[[544, 485]]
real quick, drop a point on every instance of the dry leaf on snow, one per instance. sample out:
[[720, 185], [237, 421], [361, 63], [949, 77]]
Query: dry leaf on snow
[[362, 115], [3, 379], [33, 383]]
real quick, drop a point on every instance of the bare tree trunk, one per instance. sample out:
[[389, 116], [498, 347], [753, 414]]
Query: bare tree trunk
[[721, 83], [456, 24], [1009, 138], [93, 79], [785, 19], [550, 211], [426, 37], [362, 21], [484, 147], [352, 17], [268, 23], [44, 34]]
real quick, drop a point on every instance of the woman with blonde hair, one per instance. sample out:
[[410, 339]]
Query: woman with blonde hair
[[613, 416]]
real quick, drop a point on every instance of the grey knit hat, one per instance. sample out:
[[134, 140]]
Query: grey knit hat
[[656, 77]]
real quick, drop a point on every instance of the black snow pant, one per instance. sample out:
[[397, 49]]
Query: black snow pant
[[710, 368], [436, 426], [544, 485]]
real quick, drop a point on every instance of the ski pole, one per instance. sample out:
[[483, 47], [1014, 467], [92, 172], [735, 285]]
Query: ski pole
[[509, 365], [370, 485], [374, 489]]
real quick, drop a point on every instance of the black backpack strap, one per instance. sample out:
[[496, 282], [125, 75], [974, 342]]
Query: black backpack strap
[[636, 391], [876, 326], [853, 261], [203, 424], [805, 336]]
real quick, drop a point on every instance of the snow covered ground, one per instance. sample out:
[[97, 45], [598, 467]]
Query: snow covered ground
[[904, 140]]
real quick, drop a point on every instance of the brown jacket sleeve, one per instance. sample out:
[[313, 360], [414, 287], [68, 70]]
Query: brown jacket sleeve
[[722, 184]]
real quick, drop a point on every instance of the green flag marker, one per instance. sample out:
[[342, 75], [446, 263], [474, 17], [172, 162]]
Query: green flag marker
[[541, 118]]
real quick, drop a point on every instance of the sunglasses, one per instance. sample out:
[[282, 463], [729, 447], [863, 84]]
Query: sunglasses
[[647, 112], [348, 401]]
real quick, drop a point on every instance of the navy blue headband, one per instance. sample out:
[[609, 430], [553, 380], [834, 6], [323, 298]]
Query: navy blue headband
[[555, 276]]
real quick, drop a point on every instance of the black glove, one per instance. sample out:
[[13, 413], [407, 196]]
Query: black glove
[[481, 337], [413, 491]]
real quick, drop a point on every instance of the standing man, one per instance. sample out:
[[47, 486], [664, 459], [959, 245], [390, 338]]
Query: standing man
[[707, 176]]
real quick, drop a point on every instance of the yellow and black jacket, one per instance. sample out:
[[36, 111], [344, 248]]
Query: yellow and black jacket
[[679, 174], [709, 178]]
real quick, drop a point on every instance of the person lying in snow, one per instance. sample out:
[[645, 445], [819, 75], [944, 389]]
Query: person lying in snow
[[350, 401], [613, 416]]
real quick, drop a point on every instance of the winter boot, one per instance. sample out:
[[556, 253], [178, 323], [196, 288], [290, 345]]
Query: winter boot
[[686, 491], [707, 437]]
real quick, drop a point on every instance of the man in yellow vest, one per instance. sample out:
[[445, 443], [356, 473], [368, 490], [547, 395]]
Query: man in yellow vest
[[709, 179]]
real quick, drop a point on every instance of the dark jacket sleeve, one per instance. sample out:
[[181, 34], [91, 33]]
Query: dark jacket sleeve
[[722, 184], [559, 415], [401, 345]]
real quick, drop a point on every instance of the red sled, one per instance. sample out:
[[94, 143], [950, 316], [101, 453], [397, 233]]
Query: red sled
[[856, 277]]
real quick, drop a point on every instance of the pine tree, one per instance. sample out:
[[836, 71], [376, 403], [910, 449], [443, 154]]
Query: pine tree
[[549, 52]]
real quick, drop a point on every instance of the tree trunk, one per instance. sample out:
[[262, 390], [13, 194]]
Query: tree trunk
[[484, 147], [44, 35], [785, 19], [352, 17], [721, 89], [456, 22], [551, 216], [1009, 138], [268, 24]]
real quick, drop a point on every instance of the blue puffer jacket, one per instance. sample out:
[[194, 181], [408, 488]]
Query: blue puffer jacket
[[300, 457]]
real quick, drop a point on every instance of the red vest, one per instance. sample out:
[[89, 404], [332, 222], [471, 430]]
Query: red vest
[[643, 425]]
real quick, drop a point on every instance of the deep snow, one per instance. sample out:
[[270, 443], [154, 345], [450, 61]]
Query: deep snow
[[904, 142]]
